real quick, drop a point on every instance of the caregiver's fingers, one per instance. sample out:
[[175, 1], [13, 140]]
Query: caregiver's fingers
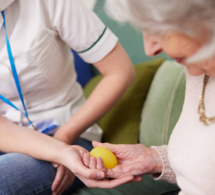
[[107, 183]]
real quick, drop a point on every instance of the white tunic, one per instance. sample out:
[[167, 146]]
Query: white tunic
[[41, 33]]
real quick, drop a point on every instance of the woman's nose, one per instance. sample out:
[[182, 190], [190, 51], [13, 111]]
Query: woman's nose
[[151, 45]]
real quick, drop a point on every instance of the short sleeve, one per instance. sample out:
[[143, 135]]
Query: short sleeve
[[81, 29]]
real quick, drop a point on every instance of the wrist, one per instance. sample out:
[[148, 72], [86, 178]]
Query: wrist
[[67, 134], [55, 153], [156, 161], [67, 156], [62, 137]]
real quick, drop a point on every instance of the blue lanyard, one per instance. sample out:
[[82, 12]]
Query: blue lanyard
[[15, 76], [44, 127]]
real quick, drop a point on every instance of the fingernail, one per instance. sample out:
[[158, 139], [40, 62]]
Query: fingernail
[[100, 175], [91, 160], [99, 159], [54, 165]]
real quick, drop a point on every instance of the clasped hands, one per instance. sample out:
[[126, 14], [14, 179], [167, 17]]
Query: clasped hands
[[134, 161]]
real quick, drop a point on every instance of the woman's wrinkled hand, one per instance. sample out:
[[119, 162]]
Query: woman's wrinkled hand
[[133, 159]]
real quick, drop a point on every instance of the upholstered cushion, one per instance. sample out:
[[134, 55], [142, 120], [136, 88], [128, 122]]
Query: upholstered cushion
[[163, 105], [121, 124], [148, 186]]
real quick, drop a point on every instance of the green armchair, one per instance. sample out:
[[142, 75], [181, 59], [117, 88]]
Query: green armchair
[[147, 114]]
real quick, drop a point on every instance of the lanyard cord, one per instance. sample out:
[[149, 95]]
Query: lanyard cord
[[15, 76]]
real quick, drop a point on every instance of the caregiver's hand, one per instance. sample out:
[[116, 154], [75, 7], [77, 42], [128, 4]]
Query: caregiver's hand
[[72, 159], [134, 159], [63, 179]]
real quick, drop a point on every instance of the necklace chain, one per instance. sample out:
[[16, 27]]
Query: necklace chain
[[201, 109]]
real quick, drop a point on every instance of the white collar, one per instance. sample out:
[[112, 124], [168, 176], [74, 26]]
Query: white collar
[[3, 5]]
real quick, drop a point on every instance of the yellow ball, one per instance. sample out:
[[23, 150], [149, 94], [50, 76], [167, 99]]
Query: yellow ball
[[109, 159]]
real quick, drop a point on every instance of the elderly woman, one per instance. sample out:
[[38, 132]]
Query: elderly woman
[[184, 30]]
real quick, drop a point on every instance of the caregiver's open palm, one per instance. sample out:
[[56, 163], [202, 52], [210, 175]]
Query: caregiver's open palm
[[133, 159]]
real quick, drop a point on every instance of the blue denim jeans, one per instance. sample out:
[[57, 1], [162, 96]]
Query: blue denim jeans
[[23, 175]]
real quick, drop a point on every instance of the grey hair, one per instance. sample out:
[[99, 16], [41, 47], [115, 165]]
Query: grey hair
[[160, 16]]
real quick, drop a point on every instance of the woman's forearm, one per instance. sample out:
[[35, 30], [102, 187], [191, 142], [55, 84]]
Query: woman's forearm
[[118, 73], [19, 139], [14, 138]]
